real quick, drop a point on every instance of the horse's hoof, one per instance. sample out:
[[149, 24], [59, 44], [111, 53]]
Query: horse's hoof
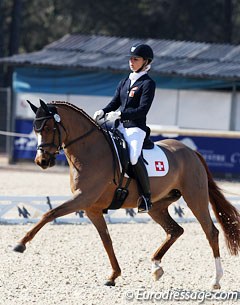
[[158, 273], [19, 248], [110, 283]]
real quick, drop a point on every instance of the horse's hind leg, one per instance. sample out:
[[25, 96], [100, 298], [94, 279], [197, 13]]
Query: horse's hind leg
[[199, 207], [101, 226], [173, 230]]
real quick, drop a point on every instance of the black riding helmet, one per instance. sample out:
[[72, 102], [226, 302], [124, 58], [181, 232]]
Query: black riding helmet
[[142, 50]]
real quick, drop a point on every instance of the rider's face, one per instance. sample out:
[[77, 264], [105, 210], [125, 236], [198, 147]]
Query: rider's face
[[135, 63]]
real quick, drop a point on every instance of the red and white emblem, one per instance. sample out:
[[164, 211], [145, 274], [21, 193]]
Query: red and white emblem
[[132, 91], [159, 166]]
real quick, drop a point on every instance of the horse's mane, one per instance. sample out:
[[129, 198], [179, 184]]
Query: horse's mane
[[79, 110]]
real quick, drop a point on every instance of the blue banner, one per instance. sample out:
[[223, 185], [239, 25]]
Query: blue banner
[[221, 154]]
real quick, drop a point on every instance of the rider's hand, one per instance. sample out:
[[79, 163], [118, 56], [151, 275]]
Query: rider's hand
[[98, 115], [113, 115]]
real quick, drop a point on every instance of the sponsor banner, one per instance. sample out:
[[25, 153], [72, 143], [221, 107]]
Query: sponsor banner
[[221, 154]]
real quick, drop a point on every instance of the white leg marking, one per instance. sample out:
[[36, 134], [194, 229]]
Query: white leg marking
[[157, 270], [219, 274]]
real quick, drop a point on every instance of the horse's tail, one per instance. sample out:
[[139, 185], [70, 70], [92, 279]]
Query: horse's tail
[[226, 214]]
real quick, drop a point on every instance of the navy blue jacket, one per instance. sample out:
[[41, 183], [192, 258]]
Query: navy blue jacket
[[134, 102]]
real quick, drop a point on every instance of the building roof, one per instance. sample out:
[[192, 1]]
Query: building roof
[[172, 58]]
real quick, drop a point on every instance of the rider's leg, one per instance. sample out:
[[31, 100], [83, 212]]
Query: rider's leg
[[135, 136], [141, 175]]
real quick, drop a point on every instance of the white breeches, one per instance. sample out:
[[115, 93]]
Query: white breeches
[[134, 137]]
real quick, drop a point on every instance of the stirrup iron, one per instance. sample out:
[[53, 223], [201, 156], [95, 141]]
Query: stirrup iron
[[144, 205]]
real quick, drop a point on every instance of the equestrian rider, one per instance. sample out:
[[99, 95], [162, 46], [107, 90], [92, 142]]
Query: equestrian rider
[[130, 104]]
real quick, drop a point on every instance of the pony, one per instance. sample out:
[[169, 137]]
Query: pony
[[61, 125]]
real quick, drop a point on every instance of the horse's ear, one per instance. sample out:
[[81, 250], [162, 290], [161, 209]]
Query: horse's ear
[[33, 107], [44, 106]]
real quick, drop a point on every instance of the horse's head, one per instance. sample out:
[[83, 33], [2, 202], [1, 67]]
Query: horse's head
[[47, 128]]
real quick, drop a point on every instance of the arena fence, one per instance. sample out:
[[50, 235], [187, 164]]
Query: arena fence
[[29, 209]]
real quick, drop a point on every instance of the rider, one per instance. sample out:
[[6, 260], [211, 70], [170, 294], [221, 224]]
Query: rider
[[133, 98]]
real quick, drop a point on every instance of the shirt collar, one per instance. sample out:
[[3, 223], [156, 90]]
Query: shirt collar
[[135, 76]]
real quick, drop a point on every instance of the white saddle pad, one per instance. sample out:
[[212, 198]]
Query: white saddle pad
[[158, 165]]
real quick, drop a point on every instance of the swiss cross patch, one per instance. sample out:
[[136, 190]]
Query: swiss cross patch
[[159, 166]]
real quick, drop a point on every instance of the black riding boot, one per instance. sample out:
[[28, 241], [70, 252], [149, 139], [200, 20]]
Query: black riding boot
[[141, 175]]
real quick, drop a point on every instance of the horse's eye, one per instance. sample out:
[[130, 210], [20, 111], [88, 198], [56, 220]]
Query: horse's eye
[[47, 128]]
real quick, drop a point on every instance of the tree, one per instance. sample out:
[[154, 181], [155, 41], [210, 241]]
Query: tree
[[228, 9], [47, 20], [15, 27]]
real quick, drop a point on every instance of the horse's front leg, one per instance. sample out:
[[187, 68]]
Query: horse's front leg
[[67, 207], [101, 226]]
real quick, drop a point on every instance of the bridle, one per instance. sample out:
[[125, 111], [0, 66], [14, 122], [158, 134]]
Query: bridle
[[56, 132]]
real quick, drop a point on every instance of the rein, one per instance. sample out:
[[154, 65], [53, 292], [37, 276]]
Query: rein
[[79, 138], [109, 140]]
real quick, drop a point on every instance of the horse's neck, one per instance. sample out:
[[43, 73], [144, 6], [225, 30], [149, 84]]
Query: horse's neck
[[80, 128], [88, 156]]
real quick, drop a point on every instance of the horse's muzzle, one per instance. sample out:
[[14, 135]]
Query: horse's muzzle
[[45, 161]]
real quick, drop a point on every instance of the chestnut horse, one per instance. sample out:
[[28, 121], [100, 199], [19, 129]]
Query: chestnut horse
[[90, 157]]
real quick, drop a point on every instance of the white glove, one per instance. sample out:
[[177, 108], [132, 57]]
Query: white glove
[[113, 115], [98, 115]]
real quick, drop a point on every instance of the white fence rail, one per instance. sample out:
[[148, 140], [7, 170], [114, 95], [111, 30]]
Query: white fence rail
[[175, 131], [29, 209]]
